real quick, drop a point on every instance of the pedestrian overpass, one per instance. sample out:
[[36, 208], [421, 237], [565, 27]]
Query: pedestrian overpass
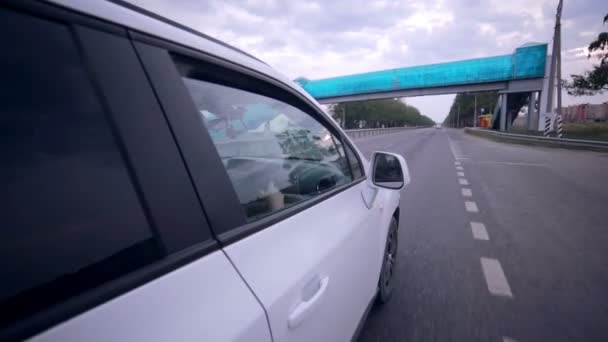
[[516, 76]]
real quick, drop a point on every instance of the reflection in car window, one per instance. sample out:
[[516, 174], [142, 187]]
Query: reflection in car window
[[275, 154]]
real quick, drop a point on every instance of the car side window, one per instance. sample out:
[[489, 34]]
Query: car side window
[[355, 165], [71, 217], [275, 154]]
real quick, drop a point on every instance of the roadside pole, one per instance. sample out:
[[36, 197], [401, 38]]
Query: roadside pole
[[558, 43], [547, 126], [458, 116], [554, 60]]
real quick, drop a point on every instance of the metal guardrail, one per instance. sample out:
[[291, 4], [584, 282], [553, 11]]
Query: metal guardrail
[[540, 140], [359, 133]]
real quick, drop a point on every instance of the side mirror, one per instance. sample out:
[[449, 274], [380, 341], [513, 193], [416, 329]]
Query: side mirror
[[389, 170]]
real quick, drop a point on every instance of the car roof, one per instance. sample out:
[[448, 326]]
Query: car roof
[[136, 18]]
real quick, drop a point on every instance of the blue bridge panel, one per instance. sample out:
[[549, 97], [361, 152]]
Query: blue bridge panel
[[526, 62]]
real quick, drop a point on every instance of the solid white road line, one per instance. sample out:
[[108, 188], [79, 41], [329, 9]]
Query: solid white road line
[[463, 181], [459, 168], [479, 231], [471, 206], [466, 192], [460, 174], [495, 277]]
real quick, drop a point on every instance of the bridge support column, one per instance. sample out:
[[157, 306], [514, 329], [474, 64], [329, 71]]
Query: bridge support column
[[533, 112], [503, 112], [530, 108]]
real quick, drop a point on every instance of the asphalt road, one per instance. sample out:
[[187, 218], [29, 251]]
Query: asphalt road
[[544, 273]]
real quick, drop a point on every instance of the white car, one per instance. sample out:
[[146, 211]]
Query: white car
[[160, 185]]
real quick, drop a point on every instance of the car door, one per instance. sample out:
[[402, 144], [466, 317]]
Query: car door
[[103, 237], [282, 197]]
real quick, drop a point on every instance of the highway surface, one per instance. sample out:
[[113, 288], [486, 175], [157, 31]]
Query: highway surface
[[498, 242]]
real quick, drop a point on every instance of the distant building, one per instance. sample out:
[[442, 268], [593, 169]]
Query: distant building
[[585, 112]]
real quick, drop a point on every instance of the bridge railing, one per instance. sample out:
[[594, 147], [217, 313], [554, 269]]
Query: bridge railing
[[368, 132]]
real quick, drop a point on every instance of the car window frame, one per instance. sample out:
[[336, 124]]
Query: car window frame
[[160, 56], [180, 242], [357, 160], [342, 162]]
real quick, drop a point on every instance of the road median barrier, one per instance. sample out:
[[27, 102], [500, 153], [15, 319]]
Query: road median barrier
[[576, 144], [368, 132]]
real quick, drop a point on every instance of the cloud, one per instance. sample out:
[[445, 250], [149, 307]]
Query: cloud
[[318, 39]]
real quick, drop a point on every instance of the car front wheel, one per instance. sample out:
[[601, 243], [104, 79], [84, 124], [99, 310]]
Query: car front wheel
[[385, 284]]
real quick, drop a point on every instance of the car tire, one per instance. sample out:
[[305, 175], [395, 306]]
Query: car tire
[[387, 273]]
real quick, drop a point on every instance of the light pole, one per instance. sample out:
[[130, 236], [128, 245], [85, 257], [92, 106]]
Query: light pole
[[475, 113], [554, 60], [558, 42]]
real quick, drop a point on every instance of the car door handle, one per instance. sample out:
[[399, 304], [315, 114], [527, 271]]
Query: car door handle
[[306, 307]]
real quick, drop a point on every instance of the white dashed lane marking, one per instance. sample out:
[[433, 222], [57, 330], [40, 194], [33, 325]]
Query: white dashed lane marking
[[457, 163], [495, 278], [466, 192], [479, 231], [471, 206], [456, 151], [463, 181], [460, 174], [459, 168], [508, 339]]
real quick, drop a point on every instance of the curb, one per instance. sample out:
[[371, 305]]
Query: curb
[[573, 144]]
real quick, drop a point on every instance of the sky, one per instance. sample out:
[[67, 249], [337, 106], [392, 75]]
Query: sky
[[318, 39]]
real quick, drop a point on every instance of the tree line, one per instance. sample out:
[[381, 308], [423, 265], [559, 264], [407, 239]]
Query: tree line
[[377, 114], [463, 108]]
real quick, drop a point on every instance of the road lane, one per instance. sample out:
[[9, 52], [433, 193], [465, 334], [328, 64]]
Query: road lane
[[546, 210], [439, 293], [545, 213]]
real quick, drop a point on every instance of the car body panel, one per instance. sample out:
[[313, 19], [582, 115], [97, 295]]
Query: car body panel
[[338, 239], [205, 300]]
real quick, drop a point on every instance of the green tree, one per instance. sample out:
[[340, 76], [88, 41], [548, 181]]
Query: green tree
[[378, 113], [463, 108], [595, 80]]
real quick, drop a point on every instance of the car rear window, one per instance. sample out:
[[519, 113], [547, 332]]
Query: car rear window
[[71, 216]]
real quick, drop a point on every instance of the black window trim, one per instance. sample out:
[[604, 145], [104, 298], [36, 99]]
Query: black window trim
[[54, 12], [179, 53], [347, 142], [357, 160], [47, 318]]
